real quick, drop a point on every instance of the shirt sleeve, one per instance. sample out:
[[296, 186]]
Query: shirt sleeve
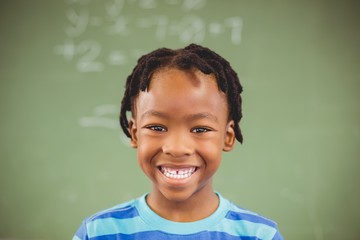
[[278, 236], [81, 233]]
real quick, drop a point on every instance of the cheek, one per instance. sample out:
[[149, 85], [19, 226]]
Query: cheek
[[146, 151], [211, 151], [144, 160]]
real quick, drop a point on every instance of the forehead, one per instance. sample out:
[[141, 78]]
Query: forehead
[[193, 75], [174, 80], [177, 89]]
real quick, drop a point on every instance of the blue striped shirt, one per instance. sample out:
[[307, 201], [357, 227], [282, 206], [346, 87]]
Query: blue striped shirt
[[135, 220]]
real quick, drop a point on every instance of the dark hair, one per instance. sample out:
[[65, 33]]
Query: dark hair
[[192, 56]]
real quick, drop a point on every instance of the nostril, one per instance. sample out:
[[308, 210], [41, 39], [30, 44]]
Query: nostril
[[178, 144], [178, 151]]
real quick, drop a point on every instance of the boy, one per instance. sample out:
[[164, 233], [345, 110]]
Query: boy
[[186, 109]]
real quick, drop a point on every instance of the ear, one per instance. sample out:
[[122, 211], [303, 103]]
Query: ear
[[133, 132], [229, 140]]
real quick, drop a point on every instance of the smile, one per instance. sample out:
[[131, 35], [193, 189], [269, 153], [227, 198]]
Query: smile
[[180, 173]]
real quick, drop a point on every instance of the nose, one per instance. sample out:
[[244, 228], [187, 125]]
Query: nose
[[178, 145]]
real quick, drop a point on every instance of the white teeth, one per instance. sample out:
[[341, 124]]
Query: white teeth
[[178, 173]]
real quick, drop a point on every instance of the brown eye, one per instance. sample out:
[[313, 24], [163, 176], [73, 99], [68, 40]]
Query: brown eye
[[200, 130], [157, 128]]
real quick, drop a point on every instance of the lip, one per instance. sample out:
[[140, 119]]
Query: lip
[[177, 182], [176, 166]]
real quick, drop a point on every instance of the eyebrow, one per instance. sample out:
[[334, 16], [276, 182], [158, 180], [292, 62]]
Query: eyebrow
[[191, 117], [155, 114], [203, 115]]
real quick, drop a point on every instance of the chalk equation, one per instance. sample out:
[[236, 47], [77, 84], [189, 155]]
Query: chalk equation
[[102, 116], [117, 19], [106, 117]]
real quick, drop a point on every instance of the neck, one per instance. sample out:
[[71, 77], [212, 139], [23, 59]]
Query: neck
[[199, 206]]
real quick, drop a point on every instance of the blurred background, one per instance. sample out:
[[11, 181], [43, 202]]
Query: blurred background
[[63, 66]]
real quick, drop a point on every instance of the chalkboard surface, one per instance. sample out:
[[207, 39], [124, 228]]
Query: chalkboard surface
[[63, 66]]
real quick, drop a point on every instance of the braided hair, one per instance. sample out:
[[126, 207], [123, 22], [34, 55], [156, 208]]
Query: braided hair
[[192, 56]]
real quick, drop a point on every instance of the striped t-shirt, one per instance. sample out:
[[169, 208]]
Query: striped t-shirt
[[135, 220]]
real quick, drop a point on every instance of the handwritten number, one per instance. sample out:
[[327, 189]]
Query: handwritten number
[[88, 63]]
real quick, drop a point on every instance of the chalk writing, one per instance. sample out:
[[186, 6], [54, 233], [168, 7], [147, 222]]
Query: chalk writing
[[106, 117], [92, 24], [78, 22], [88, 21], [235, 23], [68, 49], [90, 50], [102, 116]]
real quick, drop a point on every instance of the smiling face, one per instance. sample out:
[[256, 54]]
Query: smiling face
[[180, 128]]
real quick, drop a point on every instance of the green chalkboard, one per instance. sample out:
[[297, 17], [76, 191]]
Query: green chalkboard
[[63, 66]]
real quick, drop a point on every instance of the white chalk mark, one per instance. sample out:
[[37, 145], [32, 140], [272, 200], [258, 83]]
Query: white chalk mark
[[159, 22], [235, 24], [79, 22], [68, 50], [191, 29], [98, 122], [190, 5], [161, 27], [148, 4], [215, 28], [114, 8], [88, 62], [120, 27], [117, 58], [116, 21], [103, 116], [106, 110]]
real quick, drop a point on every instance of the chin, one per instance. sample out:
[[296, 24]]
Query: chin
[[177, 196]]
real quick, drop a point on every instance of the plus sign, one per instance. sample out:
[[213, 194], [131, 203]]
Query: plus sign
[[68, 50]]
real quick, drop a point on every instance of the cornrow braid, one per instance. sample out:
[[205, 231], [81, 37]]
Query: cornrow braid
[[192, 56]]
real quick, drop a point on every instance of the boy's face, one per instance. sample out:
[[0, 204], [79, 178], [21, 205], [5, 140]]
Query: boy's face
[[180, 128]]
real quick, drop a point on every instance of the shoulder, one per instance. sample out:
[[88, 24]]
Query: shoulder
[[120, 211], [109, 222], [251, 223], [238, 213]]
